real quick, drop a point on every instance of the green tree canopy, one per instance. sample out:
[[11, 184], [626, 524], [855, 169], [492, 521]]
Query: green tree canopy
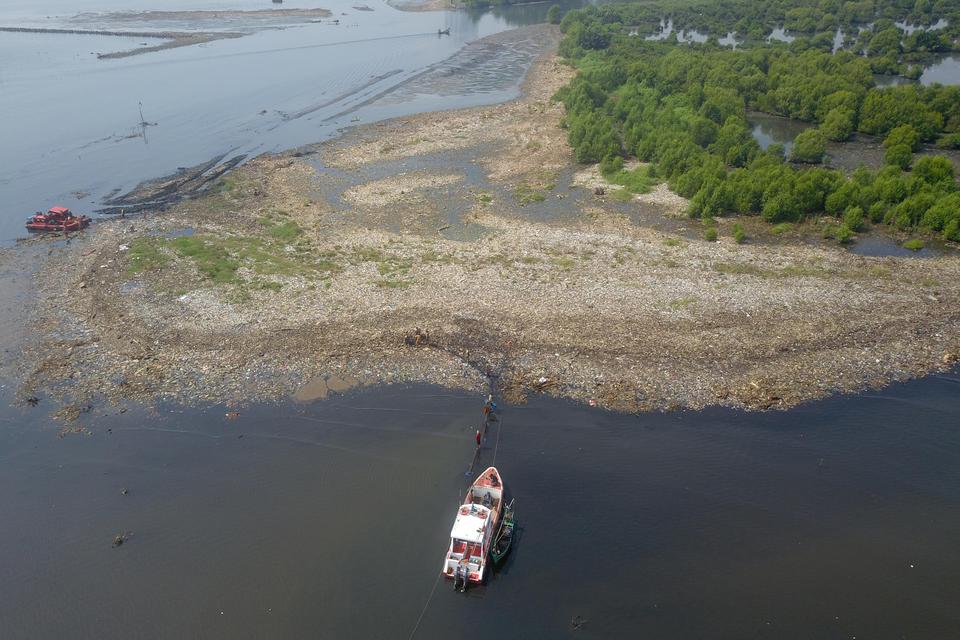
[[809, 146]]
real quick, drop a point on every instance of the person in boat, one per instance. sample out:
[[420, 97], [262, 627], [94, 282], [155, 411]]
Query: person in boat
[[487, 500], [460, 576]]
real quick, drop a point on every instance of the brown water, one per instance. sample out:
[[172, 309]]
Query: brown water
[[835, 520]]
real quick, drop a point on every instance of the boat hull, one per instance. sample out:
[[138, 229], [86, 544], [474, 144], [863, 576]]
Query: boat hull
[[73, 224], [472, 536], [504, 540]]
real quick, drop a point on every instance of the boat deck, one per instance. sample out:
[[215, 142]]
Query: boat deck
[[494, 505]]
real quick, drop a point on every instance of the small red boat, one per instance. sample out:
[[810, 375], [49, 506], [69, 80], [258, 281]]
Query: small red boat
[[57, 219]]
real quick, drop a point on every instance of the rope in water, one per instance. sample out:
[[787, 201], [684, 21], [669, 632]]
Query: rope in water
[[496, 444], [426, 605]]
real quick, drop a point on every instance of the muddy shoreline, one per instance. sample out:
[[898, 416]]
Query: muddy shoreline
[[214, 14], [426, 5], [359, 259], [174, 39]]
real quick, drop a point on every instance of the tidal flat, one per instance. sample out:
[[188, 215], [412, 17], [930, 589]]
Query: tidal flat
[[464, 248]]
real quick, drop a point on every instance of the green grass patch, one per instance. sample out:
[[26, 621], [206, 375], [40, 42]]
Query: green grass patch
[[739, 268], [145, 255], [914, 244], [279, 228], [739, 235], [673, 242], [841, 233], [791, 271], [230, 183], [525, 194], [621, 195], [387, 283], [209, 257], [219, 258], [783, 227], [710, 234], [390, 266], [285, 231], [681, 303], [266, 285], [636, 180], [431, 256], [366, 254]]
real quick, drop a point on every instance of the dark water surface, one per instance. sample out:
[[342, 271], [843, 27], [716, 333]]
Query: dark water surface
[[879, 245], [329, 520]]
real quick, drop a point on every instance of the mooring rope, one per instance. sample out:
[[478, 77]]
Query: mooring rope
[[426, 605], [496, 444]]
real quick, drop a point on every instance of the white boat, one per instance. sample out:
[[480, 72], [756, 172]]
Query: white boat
[[473, 530]]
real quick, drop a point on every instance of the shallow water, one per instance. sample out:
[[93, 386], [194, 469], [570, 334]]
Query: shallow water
[[72, 120], [944, 71], [837, 519], [780, 34], [881, 246], [684, 35], [910, 28], [769, 129]]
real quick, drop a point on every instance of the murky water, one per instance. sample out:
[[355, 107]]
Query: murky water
[[835, 520], [683, 35], [881, 246], [780, 35], [882, 80], [910, 28], [769, 129], [944, 71], [861, 150]]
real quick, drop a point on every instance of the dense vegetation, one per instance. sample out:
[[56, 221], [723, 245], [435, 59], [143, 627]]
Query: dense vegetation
[[683, 108]]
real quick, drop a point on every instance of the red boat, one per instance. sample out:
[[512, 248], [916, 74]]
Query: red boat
[[57, 219]]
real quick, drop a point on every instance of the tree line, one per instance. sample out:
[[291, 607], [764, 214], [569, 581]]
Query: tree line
[[683, 108]]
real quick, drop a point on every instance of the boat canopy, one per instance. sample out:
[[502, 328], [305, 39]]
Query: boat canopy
[[470, 524], [58, 210]]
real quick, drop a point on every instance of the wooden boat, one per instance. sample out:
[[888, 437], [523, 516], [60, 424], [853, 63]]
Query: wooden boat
[[504, 538], [472, 535]]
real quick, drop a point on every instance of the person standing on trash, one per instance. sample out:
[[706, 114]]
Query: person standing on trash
[[489, 406]]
